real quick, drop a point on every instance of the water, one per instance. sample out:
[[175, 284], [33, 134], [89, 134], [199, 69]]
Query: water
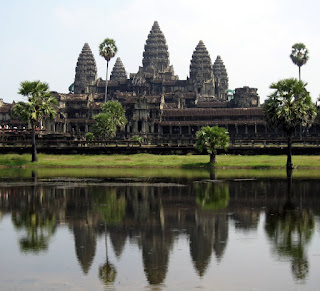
[[178, 231]]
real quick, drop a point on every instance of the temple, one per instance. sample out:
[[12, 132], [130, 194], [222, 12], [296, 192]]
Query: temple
[[159, 106]]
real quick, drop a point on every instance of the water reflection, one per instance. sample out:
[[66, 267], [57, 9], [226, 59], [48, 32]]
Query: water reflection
[[290, 229], [153, 217]]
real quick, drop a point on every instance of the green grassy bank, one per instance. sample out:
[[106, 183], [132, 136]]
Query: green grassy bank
[[157, 161]]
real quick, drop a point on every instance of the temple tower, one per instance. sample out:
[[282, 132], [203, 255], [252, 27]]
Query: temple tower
[[156, 64], [118, 72], [221, 79], [201, 73], [86, 70]]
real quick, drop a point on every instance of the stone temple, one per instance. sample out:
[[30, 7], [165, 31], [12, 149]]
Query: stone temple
[[159, 106]]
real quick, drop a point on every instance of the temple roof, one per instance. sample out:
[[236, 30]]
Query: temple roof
[[201, 65]]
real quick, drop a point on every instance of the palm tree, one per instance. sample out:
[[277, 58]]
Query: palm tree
[[210, 139], [299, 55], [107, 50], [40, 105], [288, 107]]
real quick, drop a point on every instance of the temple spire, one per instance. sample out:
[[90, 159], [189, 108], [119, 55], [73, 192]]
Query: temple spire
[[221, 78], [155, 63], [118, 72], [86, 70], [201, 65], [156, 50]]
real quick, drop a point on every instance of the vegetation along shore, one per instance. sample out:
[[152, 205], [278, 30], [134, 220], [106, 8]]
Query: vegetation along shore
[[156, 161]]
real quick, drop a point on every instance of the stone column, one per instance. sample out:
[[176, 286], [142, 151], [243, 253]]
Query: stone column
[[135, 127], [143, 126]]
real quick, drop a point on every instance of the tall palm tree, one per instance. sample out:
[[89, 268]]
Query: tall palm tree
[[40, 105], [299, 55], [107, 49], [288, 107]]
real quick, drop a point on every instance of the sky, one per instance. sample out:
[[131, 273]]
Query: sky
[[42, 40]]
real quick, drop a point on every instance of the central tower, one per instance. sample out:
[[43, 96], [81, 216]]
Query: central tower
[[155, 63]]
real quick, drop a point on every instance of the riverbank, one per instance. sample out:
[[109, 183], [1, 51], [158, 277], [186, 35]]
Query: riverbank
[[156, 161]]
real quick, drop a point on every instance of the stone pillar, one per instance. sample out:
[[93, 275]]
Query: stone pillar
[[135, 127], [144, 126]]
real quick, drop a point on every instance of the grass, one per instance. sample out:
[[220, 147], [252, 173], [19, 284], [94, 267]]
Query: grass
[[156, 161]]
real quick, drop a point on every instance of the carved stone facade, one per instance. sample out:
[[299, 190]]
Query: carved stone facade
[[157, 103], [246, 97]]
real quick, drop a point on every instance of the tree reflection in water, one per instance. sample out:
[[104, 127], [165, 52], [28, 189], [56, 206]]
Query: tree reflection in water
[[212, 195], [290, 229], [210, 231], [111, 210], [154, 217], [38, 221]]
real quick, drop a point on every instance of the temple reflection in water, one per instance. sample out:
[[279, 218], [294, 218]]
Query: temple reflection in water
[[153, 217]]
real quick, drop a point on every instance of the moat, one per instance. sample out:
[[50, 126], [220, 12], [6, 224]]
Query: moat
[[96, 229]]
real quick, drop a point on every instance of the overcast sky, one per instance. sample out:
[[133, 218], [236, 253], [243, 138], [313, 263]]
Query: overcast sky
[[41, 40]]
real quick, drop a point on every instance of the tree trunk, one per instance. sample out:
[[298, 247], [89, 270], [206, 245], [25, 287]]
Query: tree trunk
[[212, 173], [289, 154], [106, 91], [34, 148], [299, 73], [212, 159]]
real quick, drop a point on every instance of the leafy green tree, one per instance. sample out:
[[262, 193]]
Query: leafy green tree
[[139, 139], [318, 109], [40, 105], [288, 107], [107, 49], [210, 139], [110, 120], [89, 136], [299, 55]]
